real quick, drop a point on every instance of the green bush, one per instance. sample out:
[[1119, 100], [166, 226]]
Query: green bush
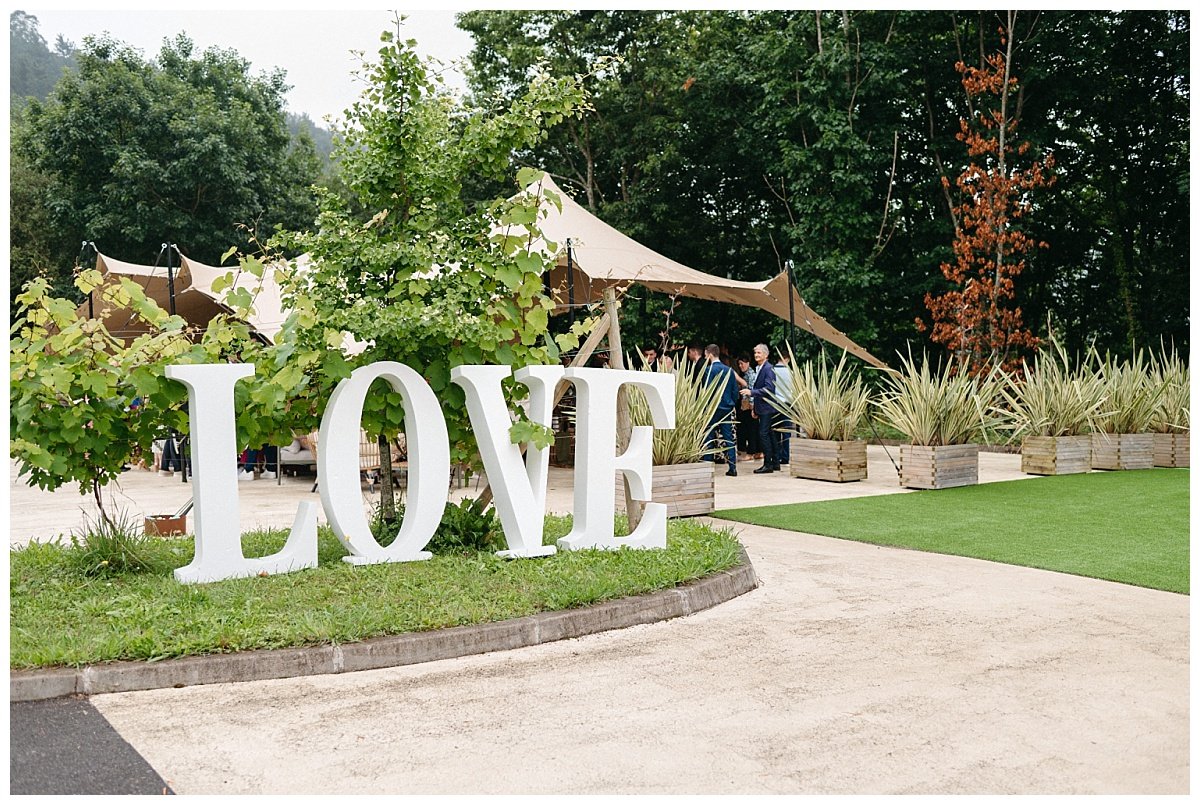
[[467, 528]]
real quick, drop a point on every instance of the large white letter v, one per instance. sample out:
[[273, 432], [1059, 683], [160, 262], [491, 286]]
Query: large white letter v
[[520, 487]]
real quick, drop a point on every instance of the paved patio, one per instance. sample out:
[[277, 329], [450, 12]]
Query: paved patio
[[853, 668], [35, 514]]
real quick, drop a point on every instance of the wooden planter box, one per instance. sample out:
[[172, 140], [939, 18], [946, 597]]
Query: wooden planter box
[[824, 460], [1172, 449], [1122, 451], [165, 525], [686, 489], [1056, 455], [939, 467]]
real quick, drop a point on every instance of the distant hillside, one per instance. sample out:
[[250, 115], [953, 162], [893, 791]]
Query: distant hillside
[[322, 138], [34, 68]]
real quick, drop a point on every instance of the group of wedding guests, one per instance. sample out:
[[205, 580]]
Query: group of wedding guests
[[745, 405]]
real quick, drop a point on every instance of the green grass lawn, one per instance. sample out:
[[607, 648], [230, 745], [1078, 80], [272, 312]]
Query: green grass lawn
[[61, 615], [1129, 526]]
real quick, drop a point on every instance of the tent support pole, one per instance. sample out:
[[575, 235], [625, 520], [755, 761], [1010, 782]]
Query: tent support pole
[[791, 305], [599, 330], [83, 250], [616, 360], [170, 279], [570, 283]]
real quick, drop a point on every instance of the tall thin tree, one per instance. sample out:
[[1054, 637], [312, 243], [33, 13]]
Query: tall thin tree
[[976, 320]]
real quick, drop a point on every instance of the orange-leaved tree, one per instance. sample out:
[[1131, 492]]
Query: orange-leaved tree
[[974, 320]]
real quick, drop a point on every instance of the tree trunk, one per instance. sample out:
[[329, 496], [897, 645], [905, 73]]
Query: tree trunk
[[98, 494], [387, 500]]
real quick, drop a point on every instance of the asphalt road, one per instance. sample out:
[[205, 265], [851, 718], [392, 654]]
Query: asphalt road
[[64, 746]]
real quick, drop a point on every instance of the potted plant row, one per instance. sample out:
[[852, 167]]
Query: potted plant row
[[827, 406], [941, 413]]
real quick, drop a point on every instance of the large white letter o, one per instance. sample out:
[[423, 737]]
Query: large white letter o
[[428, 458]]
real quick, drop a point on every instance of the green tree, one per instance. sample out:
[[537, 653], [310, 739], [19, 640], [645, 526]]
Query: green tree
[[660, 152], [431, 280], [1118, 221], [37, 247], [83, 402], [182, 148], [735, 141]]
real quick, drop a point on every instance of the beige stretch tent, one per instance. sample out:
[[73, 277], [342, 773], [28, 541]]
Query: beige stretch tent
[[600, 257], [195, 299]]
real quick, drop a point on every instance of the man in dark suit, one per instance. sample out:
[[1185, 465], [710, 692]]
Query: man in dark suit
[[764, 387], [722, 421]]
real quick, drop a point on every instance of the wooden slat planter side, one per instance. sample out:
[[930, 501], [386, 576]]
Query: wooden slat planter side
[[824, 460], [686, 489], [1056, 455], [1122, 451], [939, 467], [1172, 449]]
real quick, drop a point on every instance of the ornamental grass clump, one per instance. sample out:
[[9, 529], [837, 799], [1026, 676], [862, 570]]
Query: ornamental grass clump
[[695, 404], [1130, 398], [1052, 398], [1173, 379], [827, 403], [116, 544], [933, 409]]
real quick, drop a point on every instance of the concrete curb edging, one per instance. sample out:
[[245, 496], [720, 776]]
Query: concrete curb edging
[[387, 652]]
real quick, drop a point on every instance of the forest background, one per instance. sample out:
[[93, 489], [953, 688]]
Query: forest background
[[739, 143]]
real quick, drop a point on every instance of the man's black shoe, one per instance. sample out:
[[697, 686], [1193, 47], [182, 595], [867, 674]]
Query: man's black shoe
[[731, 472], [763, 469]]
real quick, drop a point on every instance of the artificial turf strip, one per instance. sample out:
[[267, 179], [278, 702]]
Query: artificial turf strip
[[1129, 526], [60, 615]]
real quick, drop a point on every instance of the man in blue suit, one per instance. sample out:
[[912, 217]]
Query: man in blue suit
[[764, 388], [722, 421]]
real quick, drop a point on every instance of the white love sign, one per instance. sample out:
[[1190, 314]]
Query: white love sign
[[519, 484]]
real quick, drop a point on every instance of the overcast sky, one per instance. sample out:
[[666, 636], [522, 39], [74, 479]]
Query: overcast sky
[[313, 46]]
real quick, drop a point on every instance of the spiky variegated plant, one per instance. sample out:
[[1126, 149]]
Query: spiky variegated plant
[[695, 403], [936, 409], [1131, 399], [825, 403], [1052, 399], [1173, 378]]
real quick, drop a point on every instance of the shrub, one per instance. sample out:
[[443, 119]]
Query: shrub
[[382, 528], [1052, 399], [826, 403], [936, 409], [695, 404], [1130, 399], [1171, 376], [467, 527]]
